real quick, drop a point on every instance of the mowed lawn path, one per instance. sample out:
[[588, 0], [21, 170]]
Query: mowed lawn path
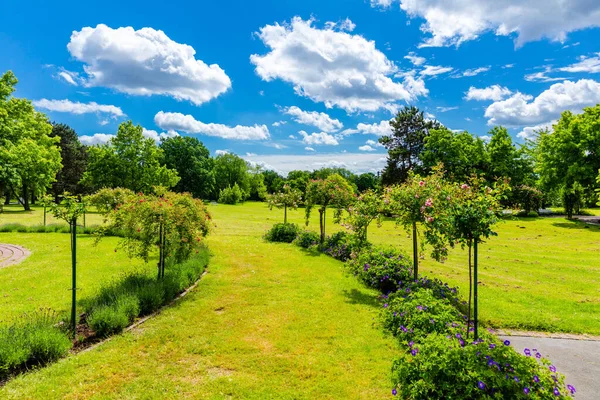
[[268, 321]]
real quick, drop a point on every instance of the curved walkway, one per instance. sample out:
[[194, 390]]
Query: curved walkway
[[12, 254]]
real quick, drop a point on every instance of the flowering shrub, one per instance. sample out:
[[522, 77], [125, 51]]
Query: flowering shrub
[[231, 195], [416, 314], [307, 239], [445, 366], [368, 207], [285, 233], [289, 197], [341, 245], [381, 268], [107, 199]]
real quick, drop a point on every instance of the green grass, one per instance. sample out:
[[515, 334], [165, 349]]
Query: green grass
[[15, 214], [44, 279]]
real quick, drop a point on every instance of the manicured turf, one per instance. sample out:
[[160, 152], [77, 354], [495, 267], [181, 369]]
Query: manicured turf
[[15, 214], [268, 321]]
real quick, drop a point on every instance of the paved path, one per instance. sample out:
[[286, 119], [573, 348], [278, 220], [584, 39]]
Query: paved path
[[578, 360], [12, 254]]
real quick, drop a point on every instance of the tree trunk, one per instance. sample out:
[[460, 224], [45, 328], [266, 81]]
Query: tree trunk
[[415, 252], [285, 214], [7, 199], [26, 198], [470, 291], [322, 224]]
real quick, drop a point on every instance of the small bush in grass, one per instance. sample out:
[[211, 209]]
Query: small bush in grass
[[231, 195], [282, 232], [417, 315], [32, 340], [341, 245], [384, 269], [307, 239]]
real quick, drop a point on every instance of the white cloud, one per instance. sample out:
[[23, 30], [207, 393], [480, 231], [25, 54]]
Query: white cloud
[[373, 143], [356, 162], [320, 120], [345, 25], [508, 66], [590, 65], [95, 139], [485, 138], [221, 152], [149, 133], [188, 124], [366, 147], [446, 109], [145, 62], [309, 149], [433, 70], [75, 107], [454, 22], [336, 68], [475, 71], [494, 92], [277, 146], [279, 123], [70, 77], [380, 129], [250, 154], [318, 138], [530, 132], [292, 137], [542, 76], [415, 59], [522, 109], [104, 122]]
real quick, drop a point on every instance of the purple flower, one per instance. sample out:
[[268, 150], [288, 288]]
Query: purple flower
[[492, 346], [527, 352], [395, 313], [414, 351], [556, 392], [517, 379], [526, 390], [507, 342], [411, 343], [385, 305], [571, 389], [552, 368], [533, 349], [420, 308], [458, 335], [462, 342], [394, 392], [538, 355], [481, 385], [536, 379]]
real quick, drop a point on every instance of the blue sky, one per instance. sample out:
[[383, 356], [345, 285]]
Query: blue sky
[[302, 84]]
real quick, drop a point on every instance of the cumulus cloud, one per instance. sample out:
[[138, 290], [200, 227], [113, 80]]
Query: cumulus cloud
[[415, 59], [221, 152], [454, 22], [531, 132], [525, 110], [332, 67], [152, 134], [145, 62], [188, 124], [95, 139], [279, 123], [75, 107], [494, 92], [366, 147], [379, 129], [318, 138], [590, 65], [320, 120]]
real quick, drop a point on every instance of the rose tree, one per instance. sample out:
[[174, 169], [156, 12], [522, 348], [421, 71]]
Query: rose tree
[[368, 208], [289, 197]]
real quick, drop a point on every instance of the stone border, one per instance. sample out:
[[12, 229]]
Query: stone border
[[548, 335], [11, 254]]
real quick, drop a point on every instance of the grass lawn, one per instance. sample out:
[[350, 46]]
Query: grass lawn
[[267, 321], [44, 278], [15, 214]]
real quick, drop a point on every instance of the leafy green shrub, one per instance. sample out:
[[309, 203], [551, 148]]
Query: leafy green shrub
[[282, 232], [307, 239], [32, 340], [446, 367], [231, 195], [383, 269], [417, 315], [108, 320], [341, 244]]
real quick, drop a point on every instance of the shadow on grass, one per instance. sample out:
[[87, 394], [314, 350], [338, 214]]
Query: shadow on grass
[[355, 296], [312, 251], [574, 225]]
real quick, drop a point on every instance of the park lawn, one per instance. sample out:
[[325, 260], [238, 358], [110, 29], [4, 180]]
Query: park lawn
[[537, 274], [267, 321], [43, 280], [14, 214]]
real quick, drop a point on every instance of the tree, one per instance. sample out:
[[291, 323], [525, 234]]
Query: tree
[[334, 192], [287, 198], [368, 207], [508, 161], [229, 170], [460, 152], [366, 181], [29, 157], [298, 180], [192, 161], [405, 144], [273, 181], [74, 161], [130, 161], [570, 155], [257, 190]]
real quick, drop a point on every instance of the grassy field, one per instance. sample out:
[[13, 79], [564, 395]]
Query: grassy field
[[268, 321]]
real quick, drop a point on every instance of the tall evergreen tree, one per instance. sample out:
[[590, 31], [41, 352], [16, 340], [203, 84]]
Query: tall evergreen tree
[[74, 161]]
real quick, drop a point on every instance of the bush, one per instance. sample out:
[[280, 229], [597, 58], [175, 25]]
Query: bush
[[231, 195], [446, 367], [33, 340], [108, 320], [340, 245], [382, 269], [307, 239], [526, 198], [282, 232]]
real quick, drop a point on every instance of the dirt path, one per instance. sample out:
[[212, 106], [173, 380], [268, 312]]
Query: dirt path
[[12, 254]]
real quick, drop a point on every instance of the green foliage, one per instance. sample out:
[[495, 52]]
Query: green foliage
[[368, 207], [32, 340], [129, 160], [405, 144], [572, 198], [257, 189], [285, 233], [385, 269], [366, 181], [110, 319], [298, 180], [231, 195], [106, 200], [307, 239], [29, 155], [273, 181], [342, 245], [526, 198], [191, 159], [287, 198], [74, 161], [69, 208], [506, 161], [230, 170]]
